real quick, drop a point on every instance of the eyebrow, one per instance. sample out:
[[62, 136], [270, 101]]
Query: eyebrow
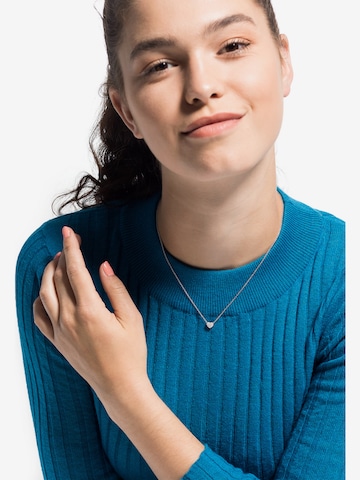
[[213, 27], [226, 21]]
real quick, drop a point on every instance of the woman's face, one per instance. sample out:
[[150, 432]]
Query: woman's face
[[204, 82]]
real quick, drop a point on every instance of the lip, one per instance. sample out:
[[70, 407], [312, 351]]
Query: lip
[[212, 125]]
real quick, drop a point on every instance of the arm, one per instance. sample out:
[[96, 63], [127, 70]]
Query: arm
[[80, 326], [72, 322], [62, 405], [316, 448]]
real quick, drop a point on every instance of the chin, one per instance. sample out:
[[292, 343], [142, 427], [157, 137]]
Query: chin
[[218, 168]]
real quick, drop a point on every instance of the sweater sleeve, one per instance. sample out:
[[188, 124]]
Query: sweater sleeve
[[61, 402], [315, 449]]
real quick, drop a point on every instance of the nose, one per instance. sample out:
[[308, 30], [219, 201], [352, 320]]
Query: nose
[[202, 82]]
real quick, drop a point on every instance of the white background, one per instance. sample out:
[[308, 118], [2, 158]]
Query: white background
[[52, 64]]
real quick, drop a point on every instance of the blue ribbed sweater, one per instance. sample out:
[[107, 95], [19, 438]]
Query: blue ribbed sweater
[[263, 390]]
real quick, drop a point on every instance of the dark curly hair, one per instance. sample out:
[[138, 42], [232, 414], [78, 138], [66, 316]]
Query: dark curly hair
[[126, 167]]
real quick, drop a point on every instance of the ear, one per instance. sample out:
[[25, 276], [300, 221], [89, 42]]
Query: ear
[[120, 105], [287, 69]]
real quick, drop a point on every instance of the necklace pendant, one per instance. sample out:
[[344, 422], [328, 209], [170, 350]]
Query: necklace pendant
[[209, 325]]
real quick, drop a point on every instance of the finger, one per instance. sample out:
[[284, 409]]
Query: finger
[[63, 287], [122, 303], [47, 294], [42, 320], [78, 275]]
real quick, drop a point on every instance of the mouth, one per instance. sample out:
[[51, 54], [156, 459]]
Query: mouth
[[212, 125]]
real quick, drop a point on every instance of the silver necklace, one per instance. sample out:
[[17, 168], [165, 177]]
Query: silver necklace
[[208, 324]]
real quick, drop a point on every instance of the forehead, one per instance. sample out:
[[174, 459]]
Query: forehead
[[184, 18]]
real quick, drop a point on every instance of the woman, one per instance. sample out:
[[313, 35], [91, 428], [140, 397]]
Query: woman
[[219, 354]]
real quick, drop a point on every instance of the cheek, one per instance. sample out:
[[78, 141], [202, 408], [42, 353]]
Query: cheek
[[265, 90], [150, 110], [157, 114], [153, 118], [158, 102]]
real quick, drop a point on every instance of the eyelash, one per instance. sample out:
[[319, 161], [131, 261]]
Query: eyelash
[[241, 45], [156, 68]]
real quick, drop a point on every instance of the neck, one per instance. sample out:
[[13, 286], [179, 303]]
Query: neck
[[219, 226]]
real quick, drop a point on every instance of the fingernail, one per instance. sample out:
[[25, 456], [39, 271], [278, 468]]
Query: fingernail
[[109, 272], [66, 231]]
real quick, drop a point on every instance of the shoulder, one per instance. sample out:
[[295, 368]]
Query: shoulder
[[312, 248], [323, 230], [101, 228], [93, 224], [47, 238], [319, 243]]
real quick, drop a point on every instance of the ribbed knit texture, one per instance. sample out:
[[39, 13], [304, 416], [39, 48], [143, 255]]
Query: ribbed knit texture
[[263, 390]]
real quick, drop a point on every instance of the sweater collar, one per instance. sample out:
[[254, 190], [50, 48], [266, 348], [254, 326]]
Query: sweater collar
[[290, 255]]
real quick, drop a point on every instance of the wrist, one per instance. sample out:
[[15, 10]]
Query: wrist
[[168, 447], [124, 401]]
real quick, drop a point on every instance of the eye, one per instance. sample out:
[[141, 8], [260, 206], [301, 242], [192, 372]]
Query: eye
[[158, 67], [234, 46]]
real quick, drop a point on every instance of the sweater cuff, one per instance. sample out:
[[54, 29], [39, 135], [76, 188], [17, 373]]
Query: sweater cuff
[[211, 466]]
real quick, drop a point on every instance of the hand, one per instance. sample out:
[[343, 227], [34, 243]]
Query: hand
[[107, 349]]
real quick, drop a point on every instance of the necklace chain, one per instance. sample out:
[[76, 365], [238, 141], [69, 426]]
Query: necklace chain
[[208, 324]]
